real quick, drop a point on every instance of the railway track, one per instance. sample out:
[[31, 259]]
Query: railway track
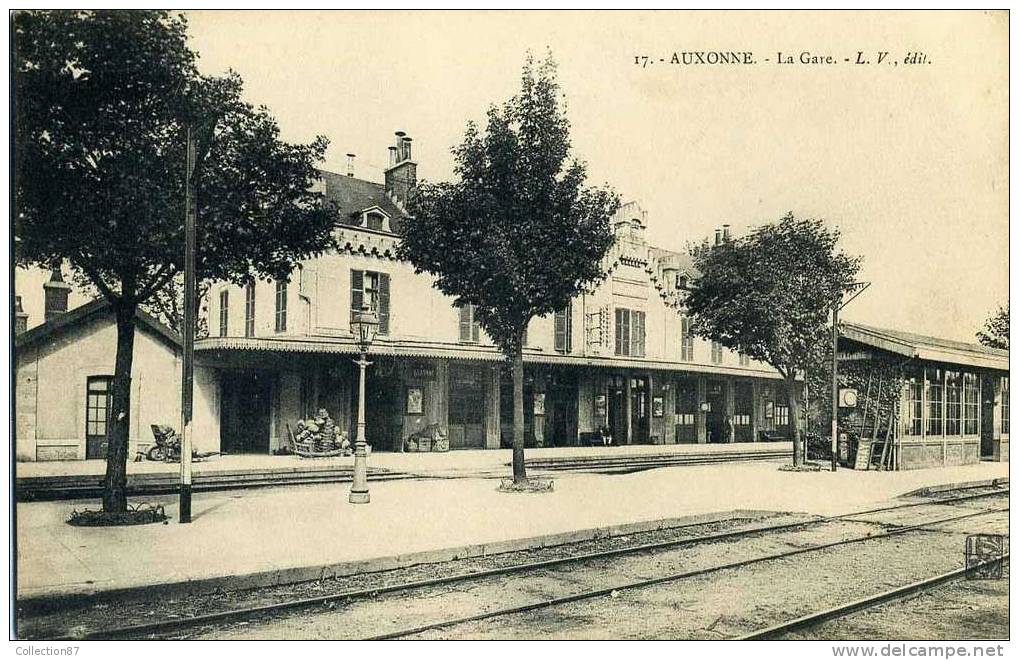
[[865, 603], [176, 626]]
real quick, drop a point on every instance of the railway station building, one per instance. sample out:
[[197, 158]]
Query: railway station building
[[619, 359]]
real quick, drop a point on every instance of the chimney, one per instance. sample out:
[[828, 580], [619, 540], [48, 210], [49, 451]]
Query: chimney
[[401, 177], [20, 317], [56, 292], [725, 233], [718, 237], [350, 164]]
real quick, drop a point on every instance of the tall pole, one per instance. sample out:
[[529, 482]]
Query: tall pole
[[359, 489], [187, 378], [834, 387]]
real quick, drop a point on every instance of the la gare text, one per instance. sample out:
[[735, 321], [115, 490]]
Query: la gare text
[[745, 57]]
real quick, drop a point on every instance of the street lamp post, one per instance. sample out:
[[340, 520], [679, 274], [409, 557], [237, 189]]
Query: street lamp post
[[364, 325]]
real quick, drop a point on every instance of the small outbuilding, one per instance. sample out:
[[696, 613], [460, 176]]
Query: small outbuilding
[[953, 405], [64, 383]]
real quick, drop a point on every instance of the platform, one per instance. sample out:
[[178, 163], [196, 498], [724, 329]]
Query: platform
[[83, 479], [260, 536]]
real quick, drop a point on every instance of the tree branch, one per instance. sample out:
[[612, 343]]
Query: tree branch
[[93, 275], [159, 280]]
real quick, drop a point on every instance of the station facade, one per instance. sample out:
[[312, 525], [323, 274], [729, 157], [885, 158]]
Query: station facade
[[619, 361]]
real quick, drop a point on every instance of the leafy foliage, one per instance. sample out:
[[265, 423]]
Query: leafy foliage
[[995, 332], [103, 104], [518, 234], [768, 295]]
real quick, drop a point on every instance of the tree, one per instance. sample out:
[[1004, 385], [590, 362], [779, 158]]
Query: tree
[[518, 234], [768, 295], [103, 100], [167, 305], [995, 332]]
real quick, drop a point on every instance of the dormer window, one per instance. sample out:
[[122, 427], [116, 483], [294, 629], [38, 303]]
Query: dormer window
[[375, 219], [682, 281]]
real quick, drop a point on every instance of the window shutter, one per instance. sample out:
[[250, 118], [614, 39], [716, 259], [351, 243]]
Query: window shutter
[[560, 330], [465, 323], [383, 303], [475, 326], [638, 334], [356, 291], [622, 332]]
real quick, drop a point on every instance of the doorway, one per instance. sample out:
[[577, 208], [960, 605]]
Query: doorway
[[716, 412], [561, 415], [640, 414], [617, 411], [466, 407], [244, 416], [98, 401], [383, 415]]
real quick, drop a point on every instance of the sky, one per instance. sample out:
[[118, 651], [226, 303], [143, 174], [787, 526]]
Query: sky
[[909, 162]]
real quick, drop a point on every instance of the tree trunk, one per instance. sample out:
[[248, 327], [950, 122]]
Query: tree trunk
[[118, 429], [519, 473], [794, 419]]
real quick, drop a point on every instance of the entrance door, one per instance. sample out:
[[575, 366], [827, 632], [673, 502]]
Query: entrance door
[[640, 413], [466, 408], [617, 412], [98, 401], [716, 411], [247, 400], [686, 410], [743, 411], [383, 412], [561, 413]]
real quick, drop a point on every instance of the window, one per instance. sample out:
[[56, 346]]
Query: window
[[685, 340], [224, 313], [281, 306], [470, 329], [249, 310], [915, 426], [682, 281], [99, 390], [371, 289], [970, 404], [564, 329], [375, 221], [781, 414], [629, 332], [716, 352], [934, 391], [953, 402], [1004, 405]]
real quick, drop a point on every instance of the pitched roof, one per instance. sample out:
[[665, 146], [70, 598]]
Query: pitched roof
[[352, 196], [925, 347], [82, 313]]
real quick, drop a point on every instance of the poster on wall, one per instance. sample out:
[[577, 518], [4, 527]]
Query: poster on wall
[[657, 406], [769, 409], [539, 403], [415, 401], [599, 405]]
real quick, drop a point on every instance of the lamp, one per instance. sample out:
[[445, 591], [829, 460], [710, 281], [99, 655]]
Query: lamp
[[364, 325]]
